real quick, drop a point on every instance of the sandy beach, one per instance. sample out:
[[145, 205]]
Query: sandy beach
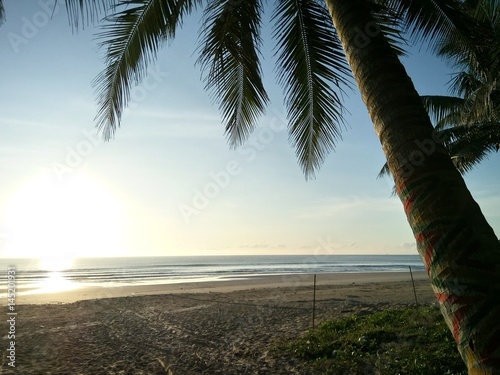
[[224, 327]]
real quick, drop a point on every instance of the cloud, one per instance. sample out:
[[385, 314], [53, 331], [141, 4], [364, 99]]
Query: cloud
[[263, 246], [256, 246], [409, 245], [327, 246]]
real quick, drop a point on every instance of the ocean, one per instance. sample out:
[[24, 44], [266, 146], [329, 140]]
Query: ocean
[[34, 276]]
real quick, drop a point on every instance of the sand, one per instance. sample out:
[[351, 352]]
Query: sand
[[225, 327]]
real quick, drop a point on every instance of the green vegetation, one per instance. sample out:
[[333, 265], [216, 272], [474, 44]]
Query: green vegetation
[[402, 341]]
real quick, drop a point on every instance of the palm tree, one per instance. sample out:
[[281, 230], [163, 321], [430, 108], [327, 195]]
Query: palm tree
[[468, 122], [457, 245], [470, 119]]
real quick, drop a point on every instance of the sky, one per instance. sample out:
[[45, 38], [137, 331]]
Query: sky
[[168, 184]]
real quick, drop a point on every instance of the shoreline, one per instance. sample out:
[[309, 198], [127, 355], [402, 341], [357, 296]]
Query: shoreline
[[224, 285]]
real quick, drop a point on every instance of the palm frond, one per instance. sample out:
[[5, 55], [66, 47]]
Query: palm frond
[[229, 52], [132, 36], [473, 50], [442, 108], [389, 24], [82, 13], [384, 172], [469, 122], [464, 84], [495, 45], [481, 104], [433, 20], [481, 95], [469, 145], [310, 64]]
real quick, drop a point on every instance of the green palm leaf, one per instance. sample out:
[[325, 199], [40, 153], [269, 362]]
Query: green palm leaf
[[80, 12], [475, 53], [389, 24], [465, 83], [85, 12], [310, 63], [431, 20], [229, 52], [469, 121], [469, 145], [443, 110], [480, 93], [385, 172], [132, 37]]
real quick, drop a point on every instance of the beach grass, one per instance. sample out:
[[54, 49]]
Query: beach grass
[[403, 341]]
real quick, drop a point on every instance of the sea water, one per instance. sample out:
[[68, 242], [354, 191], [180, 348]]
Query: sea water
[[32, 274]]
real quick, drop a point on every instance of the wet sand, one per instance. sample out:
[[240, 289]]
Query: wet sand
[[223, 327]]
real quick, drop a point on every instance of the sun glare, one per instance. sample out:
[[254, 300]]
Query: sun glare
[[55, 282], [58, 221]]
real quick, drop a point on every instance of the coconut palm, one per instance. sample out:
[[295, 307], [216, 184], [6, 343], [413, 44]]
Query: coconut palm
[[458, 247], [314, 41], [468, 121]]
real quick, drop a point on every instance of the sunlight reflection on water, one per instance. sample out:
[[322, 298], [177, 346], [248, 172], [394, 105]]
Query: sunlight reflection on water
[[55, 282]]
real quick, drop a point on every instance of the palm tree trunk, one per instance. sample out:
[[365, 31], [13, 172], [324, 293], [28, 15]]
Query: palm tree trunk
[[459, 248]]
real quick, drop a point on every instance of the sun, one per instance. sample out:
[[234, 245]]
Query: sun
[[59, 221]]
